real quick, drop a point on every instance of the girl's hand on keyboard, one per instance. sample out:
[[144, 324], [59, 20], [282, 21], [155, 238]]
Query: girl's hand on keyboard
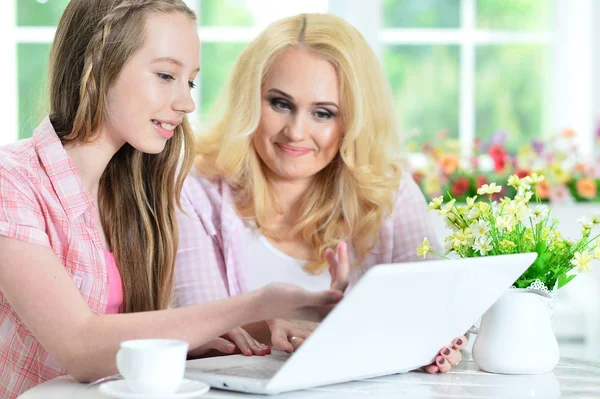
[[279, 300], [288, 335]]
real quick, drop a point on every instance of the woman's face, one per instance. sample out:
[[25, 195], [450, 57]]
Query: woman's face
[[152, 93], [300, 128]]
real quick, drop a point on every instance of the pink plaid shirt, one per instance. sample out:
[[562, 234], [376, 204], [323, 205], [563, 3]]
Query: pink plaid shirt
[[43, 201], [210, 259]]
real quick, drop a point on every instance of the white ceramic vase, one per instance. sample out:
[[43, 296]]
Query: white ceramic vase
[[516, 336]]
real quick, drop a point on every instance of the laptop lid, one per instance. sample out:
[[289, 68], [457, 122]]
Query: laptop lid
[[397, 318], [394, 320]]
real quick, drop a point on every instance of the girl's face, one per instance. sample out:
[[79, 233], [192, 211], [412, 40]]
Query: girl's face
[[153, 91], [300, 128]]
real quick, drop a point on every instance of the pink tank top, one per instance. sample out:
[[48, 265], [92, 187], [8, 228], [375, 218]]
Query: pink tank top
[[115, 285]]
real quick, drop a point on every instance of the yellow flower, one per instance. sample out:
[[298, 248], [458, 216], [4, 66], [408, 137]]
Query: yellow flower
[[582, 261], [597, 249], [507, 245], [489, 189], [436, 203], [534, 178], [514, 181], [446, 209], [471, 201], [424, 249]]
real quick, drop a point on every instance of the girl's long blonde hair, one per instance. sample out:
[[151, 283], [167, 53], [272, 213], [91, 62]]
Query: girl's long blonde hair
[[355, 192], [138, 192]]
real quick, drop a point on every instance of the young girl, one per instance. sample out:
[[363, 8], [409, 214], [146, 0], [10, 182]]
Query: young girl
[[87, 223], [304, 159]]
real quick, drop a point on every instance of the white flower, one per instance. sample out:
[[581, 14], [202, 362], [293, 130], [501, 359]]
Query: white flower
[[582, 261], [489, 189], [518, 209], [473, 214], [436, 203], [448, 245], [540, 213], [480, 228], [586, 222], [523, 196], [483, 245], [507, 222]]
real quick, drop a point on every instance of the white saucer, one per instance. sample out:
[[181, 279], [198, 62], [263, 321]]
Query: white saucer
[[187, 389]]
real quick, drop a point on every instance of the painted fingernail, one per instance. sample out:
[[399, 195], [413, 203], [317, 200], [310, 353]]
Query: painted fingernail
[[459, 342], [441, 360], [447, 352]]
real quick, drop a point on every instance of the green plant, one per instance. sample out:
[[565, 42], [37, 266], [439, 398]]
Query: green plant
[[513, 225]]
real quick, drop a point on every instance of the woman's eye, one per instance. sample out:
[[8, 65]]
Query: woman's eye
[[323, 115], [165, 76], [279, 104], [192, 84]]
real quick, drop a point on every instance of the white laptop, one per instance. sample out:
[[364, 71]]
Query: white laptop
[[396, 319]]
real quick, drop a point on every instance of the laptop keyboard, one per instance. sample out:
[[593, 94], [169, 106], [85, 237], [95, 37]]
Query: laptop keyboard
[[264, 370]]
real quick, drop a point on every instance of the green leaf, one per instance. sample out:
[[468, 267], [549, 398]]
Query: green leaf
[[564, 280]]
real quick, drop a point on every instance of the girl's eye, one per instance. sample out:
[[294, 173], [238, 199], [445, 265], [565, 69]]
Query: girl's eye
[[165, 76], [192, 84], [280, 104]]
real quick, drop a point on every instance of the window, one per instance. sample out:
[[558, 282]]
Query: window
[[470, 67]]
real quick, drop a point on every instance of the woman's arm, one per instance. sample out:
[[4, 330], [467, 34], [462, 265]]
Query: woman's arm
[[44, 296]]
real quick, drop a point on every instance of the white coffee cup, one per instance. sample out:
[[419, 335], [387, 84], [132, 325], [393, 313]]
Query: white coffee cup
[[152, 366]]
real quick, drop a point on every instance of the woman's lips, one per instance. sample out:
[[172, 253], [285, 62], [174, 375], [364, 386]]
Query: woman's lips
[[293, 151]]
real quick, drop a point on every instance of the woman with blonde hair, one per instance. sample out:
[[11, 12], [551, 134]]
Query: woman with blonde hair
[[303, 159], [88, 233]]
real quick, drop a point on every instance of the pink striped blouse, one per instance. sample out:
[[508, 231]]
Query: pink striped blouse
[[43, 201], [210, 259]]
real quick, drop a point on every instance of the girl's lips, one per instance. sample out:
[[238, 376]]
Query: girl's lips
[[292, 150], [164, 133]]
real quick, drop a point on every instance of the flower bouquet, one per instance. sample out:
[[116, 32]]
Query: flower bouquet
[[510, 226], [516, 336]]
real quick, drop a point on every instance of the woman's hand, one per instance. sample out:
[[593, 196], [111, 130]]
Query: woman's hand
[[288, 335], [237, 340], [339, 268], [447, 357]]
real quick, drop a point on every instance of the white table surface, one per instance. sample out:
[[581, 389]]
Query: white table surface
[[570, 379]]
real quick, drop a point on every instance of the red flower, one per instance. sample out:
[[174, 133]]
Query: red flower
[[498, 154], [460, 187], [499, 165], [497, 151], [418, 176], [521, 173]]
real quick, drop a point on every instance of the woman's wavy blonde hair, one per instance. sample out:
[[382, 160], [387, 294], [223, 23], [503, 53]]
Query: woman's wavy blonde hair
[[138, 192], [355, 192]]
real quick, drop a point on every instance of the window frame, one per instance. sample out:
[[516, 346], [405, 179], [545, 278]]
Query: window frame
[[575, 84]]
